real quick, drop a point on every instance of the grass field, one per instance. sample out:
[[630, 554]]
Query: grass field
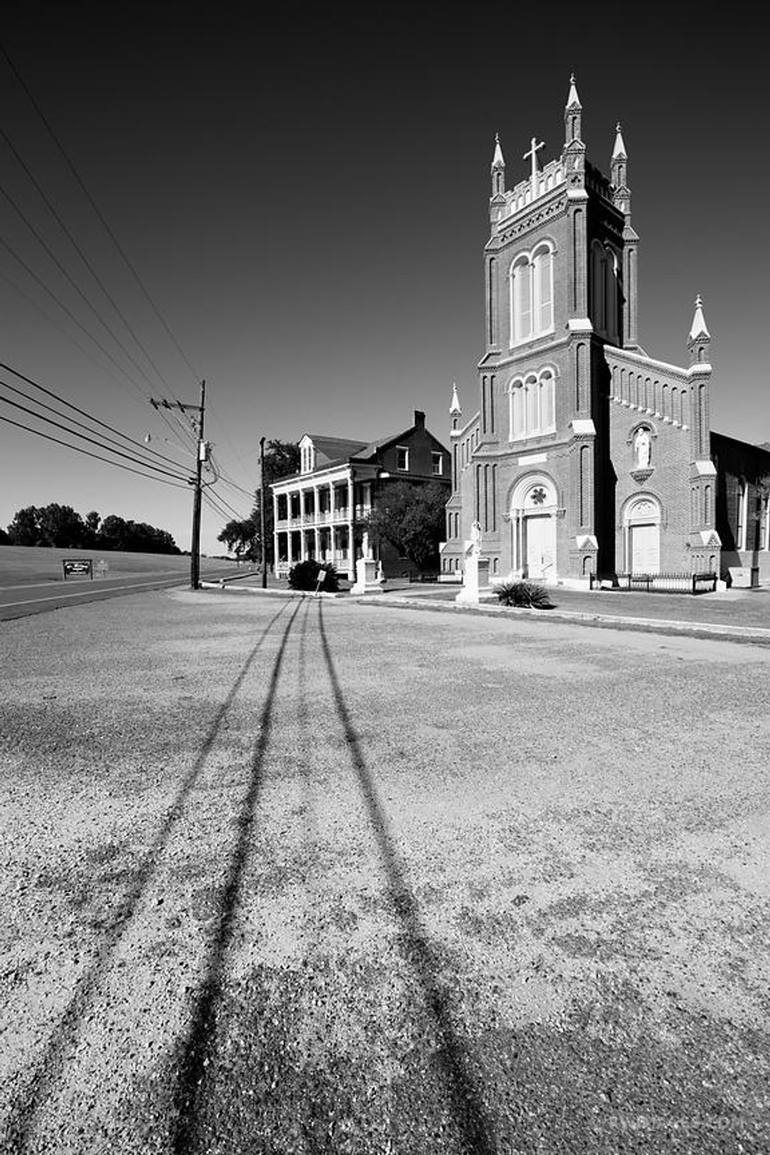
[[28, 565]]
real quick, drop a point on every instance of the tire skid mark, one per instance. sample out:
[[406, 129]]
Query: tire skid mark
[[466, 1102], [43, 1074], [202, 1030]]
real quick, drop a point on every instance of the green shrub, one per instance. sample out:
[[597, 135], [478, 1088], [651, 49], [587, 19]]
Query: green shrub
[[304, 576], [526, 594]]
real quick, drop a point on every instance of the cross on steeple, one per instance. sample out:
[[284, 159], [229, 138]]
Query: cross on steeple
[[534, 147]]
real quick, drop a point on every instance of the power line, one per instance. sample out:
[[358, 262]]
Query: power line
[[70, 164], [77, 409], [217, 506], [74, 433], [52, 209], [47, 248], [71, 315], [87, 452], [74, 421], [229, 481]]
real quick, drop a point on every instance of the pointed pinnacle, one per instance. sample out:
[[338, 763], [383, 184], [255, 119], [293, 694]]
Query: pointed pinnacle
[[455, 405], [573, 100], [698, 327], [619, 151]]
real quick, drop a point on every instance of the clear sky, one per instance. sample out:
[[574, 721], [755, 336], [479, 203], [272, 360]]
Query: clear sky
[[304, 193]]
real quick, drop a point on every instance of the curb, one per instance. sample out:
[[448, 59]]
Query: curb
[[751, 634], [269, 592]]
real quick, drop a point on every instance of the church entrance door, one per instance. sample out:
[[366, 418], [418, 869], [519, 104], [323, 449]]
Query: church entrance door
[[645, 548], [540, 546]]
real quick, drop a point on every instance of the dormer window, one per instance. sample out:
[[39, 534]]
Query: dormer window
[[402, 458], [306, 456]]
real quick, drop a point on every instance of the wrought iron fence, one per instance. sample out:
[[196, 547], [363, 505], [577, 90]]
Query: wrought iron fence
[[674, 583]]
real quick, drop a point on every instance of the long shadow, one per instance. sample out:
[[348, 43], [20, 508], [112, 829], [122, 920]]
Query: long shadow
[[192, 1060], [467, 1107], [45, 1072]]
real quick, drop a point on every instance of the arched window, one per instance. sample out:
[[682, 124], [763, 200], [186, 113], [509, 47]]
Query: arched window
[[597, 286], [518, 422], [543, 286], [532, 405], [604, 289], [522, 301], [531, 293]]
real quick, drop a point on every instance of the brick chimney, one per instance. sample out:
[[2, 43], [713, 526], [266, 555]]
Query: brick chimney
[[419, 419]]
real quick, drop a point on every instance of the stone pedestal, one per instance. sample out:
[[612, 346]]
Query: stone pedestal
[[368, 579], [475, 579]]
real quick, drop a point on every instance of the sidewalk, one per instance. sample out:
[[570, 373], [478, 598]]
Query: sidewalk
[[738, 615]]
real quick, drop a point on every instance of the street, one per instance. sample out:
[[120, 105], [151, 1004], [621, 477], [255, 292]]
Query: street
[[306, 875]]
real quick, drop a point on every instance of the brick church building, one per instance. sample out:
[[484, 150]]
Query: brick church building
[[586, 454]]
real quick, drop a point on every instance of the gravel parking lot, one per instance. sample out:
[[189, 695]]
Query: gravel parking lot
[[307, 876]]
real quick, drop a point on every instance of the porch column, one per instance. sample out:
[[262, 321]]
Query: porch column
[[351, 525]]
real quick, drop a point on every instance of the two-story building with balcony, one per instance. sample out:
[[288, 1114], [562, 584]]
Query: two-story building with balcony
[[320, 512]]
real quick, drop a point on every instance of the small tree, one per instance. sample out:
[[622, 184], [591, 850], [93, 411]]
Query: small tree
[[242, 538], [411, 518]]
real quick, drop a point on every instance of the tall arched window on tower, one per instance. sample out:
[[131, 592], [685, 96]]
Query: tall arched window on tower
[[532, 405], [531, 293], [611, 294], [597, 286], [543, 285], [521, 312]]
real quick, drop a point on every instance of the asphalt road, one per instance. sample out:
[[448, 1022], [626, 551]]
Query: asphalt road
[[22, 600], [308, 876]]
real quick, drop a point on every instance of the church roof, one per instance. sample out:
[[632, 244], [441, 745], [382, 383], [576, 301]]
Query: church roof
[[498, 160]]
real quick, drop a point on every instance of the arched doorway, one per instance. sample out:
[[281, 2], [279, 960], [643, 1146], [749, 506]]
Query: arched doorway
[[533, 528], [641, 527]]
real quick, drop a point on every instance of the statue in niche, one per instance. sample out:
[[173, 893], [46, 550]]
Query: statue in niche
[[642, 448]]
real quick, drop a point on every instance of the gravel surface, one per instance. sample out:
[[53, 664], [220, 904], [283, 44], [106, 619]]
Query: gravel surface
[[308, 876]]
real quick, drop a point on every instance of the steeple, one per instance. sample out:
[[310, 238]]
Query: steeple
[[699, 340], [572, 113], [619, 161], [454, 409], [498, 170]]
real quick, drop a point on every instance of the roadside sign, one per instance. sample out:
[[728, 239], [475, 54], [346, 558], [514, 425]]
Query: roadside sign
[[78, 567]]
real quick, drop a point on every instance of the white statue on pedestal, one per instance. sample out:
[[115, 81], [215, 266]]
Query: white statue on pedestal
[[642, 448]]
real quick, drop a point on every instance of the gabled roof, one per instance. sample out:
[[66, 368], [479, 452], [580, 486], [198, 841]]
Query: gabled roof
[[332, 449]]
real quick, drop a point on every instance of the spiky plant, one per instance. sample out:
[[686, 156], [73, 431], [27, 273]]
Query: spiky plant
[[523, 594]]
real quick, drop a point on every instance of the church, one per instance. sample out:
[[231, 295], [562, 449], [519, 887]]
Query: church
[[586, 455]]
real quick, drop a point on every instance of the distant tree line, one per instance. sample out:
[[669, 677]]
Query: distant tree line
[[60, 525]]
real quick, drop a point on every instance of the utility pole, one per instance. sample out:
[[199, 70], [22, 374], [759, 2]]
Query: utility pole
[[195, 548], [262, 510], [200, 457]]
